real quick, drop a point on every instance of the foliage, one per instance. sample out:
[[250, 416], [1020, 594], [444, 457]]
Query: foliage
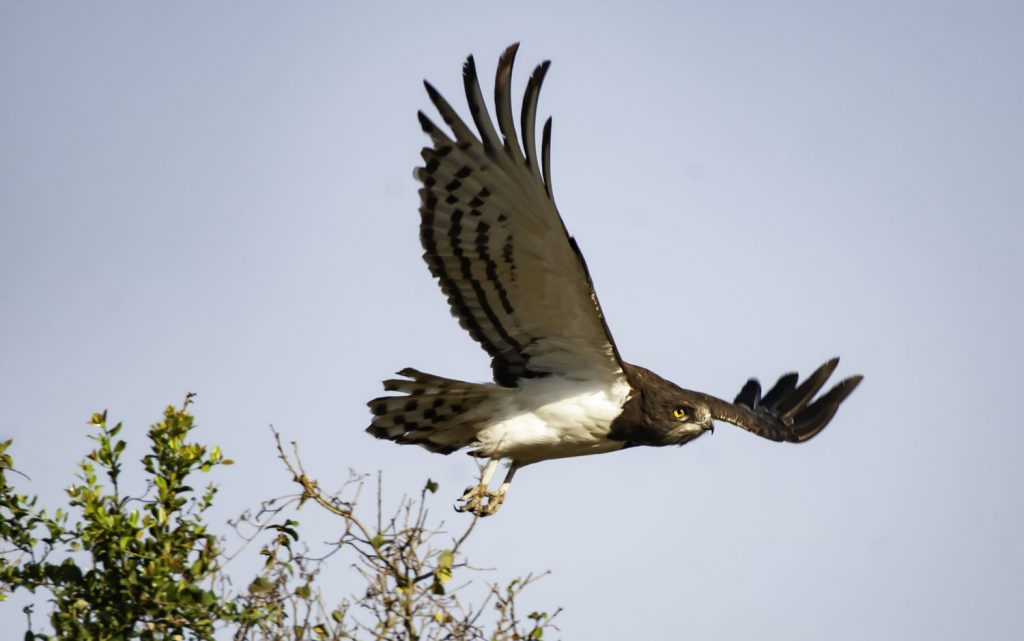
[[118, 566], [142, 561]]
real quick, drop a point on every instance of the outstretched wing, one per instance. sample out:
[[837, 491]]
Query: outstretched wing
[[786, 412], [495, 241]]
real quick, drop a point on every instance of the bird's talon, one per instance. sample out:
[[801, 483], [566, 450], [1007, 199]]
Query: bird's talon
[[479, 500]]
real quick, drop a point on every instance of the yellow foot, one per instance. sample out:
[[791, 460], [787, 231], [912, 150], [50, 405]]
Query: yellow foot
[[481, 501]]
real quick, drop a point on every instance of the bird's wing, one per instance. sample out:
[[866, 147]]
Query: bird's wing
[[786, 412], [495, 241]]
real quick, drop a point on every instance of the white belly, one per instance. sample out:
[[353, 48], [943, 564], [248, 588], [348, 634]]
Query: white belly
[[555, 418]]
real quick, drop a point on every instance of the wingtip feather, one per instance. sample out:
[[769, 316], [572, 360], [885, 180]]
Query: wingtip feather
[[545, 152], [509, 53], [820, 413], [750, 395]]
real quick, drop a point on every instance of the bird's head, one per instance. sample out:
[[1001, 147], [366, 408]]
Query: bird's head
[[682, 417], [671, 414]]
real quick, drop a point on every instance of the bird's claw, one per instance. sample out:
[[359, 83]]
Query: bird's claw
[[480, 500]]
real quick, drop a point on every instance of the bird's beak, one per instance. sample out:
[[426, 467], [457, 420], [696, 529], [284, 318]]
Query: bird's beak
[[710, 427]]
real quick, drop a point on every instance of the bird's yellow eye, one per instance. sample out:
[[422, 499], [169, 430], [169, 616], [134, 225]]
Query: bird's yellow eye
[[679, 413]]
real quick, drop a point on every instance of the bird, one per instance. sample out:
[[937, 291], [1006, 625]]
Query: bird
[[517, 282]]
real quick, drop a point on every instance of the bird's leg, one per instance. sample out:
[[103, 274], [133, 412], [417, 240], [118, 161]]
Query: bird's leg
[[473, 499], [497, 498], [479, 499]]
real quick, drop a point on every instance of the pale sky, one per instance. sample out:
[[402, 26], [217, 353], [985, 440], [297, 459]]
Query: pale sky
[[219, 199]]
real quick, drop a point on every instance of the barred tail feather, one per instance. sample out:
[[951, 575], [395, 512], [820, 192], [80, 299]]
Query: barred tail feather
[[440, 414]]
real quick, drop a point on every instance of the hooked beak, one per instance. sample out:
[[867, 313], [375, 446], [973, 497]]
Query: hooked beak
[[709, 427]]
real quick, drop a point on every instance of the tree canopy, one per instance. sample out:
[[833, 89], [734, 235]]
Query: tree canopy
[[116, 564]]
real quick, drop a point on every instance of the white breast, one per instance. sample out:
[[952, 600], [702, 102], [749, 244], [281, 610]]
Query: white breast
[[553, 417]]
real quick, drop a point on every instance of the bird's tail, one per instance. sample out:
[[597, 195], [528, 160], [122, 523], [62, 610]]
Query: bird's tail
[[440, 414]]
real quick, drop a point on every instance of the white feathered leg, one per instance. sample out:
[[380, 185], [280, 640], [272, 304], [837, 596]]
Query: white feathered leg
[[499, 496]]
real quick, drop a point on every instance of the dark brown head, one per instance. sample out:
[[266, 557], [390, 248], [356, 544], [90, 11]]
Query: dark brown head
[[659, 412]]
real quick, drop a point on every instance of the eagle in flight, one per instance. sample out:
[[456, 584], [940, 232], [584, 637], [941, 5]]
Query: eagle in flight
[[517, 282]]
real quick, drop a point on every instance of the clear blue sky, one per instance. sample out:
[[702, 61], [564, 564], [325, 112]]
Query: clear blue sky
[[218, 198]]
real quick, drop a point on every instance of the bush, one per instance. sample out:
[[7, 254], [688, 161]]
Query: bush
[[120, 566]]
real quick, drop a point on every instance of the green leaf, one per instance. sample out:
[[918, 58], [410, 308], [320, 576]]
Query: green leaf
[[431, 486], [443, 573], [445, 559], [260, 585]]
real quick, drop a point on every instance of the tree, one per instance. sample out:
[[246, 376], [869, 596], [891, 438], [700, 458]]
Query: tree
[[120, 566]]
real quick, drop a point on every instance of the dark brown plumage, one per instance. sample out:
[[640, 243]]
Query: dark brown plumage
[[786, 413]]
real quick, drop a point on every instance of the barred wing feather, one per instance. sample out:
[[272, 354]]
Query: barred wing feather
[[495, 241]]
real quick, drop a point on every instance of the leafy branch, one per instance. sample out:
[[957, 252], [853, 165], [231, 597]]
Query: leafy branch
[[146, 566]]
